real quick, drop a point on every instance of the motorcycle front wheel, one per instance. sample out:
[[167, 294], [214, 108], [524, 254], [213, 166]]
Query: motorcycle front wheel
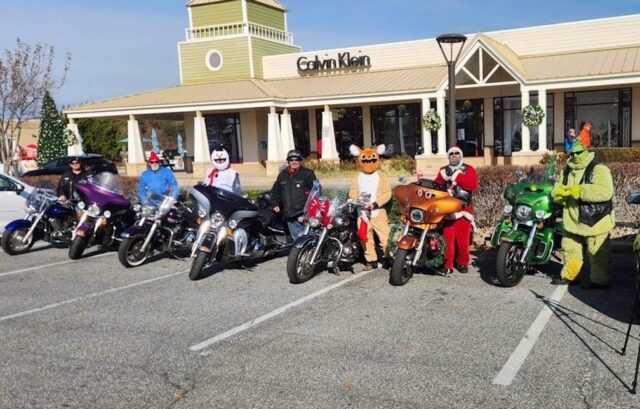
[[198, 265], [299, 268], [129, 252], [78, 246], [12, 241], [402, 271], [509, 269]]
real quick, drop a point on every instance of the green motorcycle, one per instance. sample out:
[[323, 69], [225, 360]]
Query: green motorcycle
[[531, 227]]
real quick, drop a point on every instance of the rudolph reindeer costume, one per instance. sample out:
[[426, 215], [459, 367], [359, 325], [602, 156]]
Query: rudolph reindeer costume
[[371, 181]]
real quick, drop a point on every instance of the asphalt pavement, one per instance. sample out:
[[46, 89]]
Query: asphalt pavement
[[92, 334]]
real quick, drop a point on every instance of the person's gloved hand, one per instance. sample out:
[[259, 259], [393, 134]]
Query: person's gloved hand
[[560, 194], [574, 191]]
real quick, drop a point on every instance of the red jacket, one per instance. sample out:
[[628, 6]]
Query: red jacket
[[465, 177]]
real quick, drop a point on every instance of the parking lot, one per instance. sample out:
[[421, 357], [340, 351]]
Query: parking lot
[[92, 334]]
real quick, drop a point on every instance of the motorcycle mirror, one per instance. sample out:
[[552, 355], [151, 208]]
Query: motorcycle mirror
[[316, 182], [19, 189], [402, 179]]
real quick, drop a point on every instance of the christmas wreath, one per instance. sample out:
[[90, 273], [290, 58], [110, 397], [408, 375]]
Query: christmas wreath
[[432, 121], [70, 138], [532, 115]]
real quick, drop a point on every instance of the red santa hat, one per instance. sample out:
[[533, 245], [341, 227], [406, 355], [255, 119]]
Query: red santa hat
[[154, 157]]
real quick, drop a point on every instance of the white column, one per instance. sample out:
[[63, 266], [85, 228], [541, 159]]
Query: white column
[[329, 150], [426, 134], [367, 137], [200, 141], [542, 128], [286, 132], [526, 135], [442, 132], [134, 142], [274, 141], [75, 149]]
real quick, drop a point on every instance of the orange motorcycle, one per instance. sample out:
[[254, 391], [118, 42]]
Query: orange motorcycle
[[422, 245]]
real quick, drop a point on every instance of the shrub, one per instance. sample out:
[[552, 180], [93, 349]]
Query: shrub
[[401, 163], [611, 155]]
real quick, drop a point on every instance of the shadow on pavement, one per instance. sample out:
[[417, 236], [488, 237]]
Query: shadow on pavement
[[485, 262]]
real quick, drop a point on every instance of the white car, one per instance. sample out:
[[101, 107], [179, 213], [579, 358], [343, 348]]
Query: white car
[[13, 195]]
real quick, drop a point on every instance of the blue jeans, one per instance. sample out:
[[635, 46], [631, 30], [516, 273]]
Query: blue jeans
[[295, 229]]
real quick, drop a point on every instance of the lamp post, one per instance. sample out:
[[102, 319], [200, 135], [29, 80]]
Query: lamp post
[[452, 40]]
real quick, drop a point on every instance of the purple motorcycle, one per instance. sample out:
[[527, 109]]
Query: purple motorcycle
[[106, 213]]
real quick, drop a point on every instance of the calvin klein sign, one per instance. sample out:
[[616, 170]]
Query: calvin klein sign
[[344, 60]]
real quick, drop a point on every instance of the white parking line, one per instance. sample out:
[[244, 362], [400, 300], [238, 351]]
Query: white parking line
[[59, 263], [517, 358], [87, 297], [249, 324]]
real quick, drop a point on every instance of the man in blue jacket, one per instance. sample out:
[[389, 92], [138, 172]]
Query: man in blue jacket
[[157, 180]]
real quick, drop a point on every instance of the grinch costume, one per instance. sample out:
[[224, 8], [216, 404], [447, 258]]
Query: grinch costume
[[375, 184], [585, 190]]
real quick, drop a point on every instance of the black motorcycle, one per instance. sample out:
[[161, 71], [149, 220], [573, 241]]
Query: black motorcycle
[[164, 225], [330, 241], [233, 228], [45, 219]]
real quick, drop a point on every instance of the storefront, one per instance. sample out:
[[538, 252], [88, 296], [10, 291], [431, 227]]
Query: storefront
[[245, 84]]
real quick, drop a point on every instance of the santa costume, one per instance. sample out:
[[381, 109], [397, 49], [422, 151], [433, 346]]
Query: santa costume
[[461, 181]]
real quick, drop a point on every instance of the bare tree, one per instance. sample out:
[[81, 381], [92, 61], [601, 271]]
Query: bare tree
[[26, 72]]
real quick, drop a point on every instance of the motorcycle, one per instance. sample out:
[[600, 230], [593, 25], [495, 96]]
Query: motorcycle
[[530, 228], [106, 213], [330, 238], [165, 225], [232, 228], [45, 219], [422, 245]]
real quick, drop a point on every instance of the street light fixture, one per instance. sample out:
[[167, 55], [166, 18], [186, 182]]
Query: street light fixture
[[452, 40]]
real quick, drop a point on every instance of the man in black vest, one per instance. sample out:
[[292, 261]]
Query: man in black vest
[[69, 179]]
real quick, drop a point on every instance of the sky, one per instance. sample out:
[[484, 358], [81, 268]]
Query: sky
[[123, 47]]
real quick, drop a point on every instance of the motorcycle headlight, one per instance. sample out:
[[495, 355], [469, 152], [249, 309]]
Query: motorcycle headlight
[[416, 216], [523, 213], [233, 224], [508, 209], [93, 210], [314, 222], [540, 214], [106, 214], [201, 213], [31, 209], [148, 211], [81, 205], [217, 219]]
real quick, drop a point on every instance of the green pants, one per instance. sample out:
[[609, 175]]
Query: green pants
[[599, 253]]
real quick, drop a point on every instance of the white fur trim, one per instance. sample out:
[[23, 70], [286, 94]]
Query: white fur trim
[[355, 151], [461, 214], [381, 149], [455, 175], [443, 173]]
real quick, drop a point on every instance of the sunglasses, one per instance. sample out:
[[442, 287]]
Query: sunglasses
[[577, 153], [155, 162], [75, 163], [454, 154], [295, 160]]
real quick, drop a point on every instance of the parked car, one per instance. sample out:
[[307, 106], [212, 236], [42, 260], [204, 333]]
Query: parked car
[[92, 161], [13, 196]]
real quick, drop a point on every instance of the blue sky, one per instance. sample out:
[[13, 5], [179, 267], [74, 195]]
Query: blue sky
[[121, 47]]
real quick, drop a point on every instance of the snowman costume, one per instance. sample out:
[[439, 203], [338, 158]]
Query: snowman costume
[[220, 174]]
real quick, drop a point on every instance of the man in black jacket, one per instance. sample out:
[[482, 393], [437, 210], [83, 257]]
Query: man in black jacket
[[69, 179], [290, 192]]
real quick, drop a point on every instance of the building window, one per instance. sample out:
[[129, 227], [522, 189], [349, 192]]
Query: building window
[[347, 125], [300, 127], [398, 127], [225, 129], [507, 125], [469, 126], [609, 111], [214, 60]]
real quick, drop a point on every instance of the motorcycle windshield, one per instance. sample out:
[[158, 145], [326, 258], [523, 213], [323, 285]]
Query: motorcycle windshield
[[336, 203], [37, 196], [107, 181], [314, 196], [158, 202]]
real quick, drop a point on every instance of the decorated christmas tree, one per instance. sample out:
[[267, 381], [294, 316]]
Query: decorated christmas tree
[[52, 142]]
